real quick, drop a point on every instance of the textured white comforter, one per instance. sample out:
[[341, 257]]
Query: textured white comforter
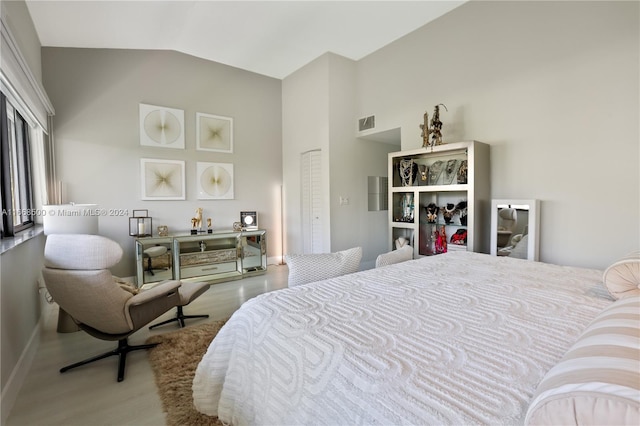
[[460, 338]]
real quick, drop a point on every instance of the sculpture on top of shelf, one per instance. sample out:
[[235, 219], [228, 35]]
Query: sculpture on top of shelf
[[436, 126], [435, 130]]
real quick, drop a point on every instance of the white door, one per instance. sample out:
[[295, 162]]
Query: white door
[[311, 202]]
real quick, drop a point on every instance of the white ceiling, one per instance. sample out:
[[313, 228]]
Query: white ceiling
[[273, 38]]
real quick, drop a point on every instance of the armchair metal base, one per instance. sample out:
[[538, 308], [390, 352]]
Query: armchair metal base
[[121, 351], [180, 317]]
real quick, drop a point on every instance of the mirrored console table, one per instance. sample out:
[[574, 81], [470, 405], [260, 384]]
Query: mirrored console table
[[211, 257]]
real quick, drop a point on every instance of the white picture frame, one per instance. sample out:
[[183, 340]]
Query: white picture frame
[[215, 181], [214, 133], [161, 127], [162, 179]]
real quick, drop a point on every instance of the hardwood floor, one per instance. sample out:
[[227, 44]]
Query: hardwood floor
[[90, 395]]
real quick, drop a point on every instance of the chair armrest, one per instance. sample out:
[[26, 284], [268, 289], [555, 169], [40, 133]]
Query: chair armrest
[[148, 305]]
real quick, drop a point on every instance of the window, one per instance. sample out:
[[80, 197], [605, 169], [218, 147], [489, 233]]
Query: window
[[16, 183]]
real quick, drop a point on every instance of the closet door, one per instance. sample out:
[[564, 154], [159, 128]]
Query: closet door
[[311, 202]]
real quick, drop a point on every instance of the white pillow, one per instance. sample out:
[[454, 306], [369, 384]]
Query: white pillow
[[306, 268], [597, 382], [396, 256], [622, 279]]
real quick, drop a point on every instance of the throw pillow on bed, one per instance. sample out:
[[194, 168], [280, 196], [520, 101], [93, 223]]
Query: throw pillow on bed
[[597, 382], [622, 279], [306, 268]]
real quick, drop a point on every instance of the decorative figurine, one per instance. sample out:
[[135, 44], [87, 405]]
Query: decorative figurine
[[237, 226], [436, 126], [194, 224], [425, 130], [435, 130], [163, 231], [209, 230], [199, 218]]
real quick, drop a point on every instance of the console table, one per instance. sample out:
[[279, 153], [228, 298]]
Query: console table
[[211, 257]]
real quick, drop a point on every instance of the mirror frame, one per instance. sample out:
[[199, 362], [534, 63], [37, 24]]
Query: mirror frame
[[533, 224]]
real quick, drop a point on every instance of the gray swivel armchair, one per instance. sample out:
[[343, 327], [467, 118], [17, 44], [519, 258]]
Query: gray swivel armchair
[[77, 276]]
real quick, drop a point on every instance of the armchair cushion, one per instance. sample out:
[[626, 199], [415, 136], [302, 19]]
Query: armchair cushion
[[396, 256], [79, 251], [306, 268]]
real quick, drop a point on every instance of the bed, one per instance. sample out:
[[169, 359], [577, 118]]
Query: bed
[[458, 338]]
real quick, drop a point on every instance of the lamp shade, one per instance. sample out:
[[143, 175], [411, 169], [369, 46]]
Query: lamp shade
[[70, 219]]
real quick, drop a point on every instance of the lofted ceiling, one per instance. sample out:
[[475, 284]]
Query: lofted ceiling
[[273, 38]]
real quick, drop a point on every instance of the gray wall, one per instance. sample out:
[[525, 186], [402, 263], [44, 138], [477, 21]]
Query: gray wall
[[20, 303], [97, 92], [319, 113], [553, 88]]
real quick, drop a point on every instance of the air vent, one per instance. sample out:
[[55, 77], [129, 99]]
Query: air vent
[[367, 123]]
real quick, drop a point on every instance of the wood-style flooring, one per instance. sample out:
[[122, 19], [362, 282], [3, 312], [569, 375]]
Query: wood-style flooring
[[90, 395]]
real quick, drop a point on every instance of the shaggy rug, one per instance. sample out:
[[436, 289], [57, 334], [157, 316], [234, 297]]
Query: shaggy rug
[[174, 363]]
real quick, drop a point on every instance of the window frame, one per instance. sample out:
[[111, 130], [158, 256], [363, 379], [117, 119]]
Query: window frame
[[16, 188]]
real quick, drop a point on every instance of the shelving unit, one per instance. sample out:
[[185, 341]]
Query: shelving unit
[[434, 177]]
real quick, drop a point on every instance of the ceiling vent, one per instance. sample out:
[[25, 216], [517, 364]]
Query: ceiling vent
[[367, 123]]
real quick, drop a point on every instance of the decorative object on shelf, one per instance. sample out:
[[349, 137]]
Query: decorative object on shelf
[[408, 171], [401, 242], [214, 133], [435, 131], [435, 171], [460, 237], [140, 224], [461, 208], [163, 231], [161, 126], [407, 206], [237, 226], [196, 222], [450, 171], [432, 212], [425, 130], [215, 181], [162, 179], [441, 240], [447, 212], [462, 172], [423, 174], [249, 220], [436, 126], [209, 229]]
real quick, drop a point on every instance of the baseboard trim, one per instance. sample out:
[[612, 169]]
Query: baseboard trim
[[19, 374]]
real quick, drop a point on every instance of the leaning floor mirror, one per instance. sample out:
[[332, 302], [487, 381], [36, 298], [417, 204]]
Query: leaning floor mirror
[[515, 228]]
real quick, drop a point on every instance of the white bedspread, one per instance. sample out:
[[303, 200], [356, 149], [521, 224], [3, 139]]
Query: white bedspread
[[460, 338]]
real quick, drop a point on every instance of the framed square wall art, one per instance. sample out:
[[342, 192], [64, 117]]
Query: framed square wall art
[[215, 181], [214, 133], [162, 179], [161, 126]]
